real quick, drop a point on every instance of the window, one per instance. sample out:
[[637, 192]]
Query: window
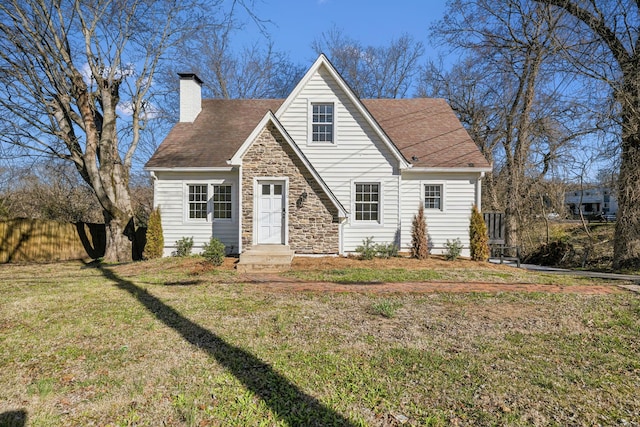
[[433, 196], [266, 189], [198, 201], [367, 202], [221, 202], [322, 121]]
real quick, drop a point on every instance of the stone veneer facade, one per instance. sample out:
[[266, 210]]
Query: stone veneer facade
[[313, 223]]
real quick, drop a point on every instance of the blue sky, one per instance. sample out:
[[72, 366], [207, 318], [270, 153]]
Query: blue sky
[[296, 23]]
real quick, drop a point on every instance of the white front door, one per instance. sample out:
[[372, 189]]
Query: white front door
[[271, 212]]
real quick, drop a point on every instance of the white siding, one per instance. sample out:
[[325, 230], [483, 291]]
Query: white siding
[[356, 155], [459, 193], [171, 191]]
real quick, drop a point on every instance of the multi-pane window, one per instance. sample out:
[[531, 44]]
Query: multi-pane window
[[433, 196], [198, 201], [367, 202], [221, 202], [322, 121]]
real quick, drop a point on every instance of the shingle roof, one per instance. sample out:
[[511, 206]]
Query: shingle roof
[[215, 135], [425, 130]]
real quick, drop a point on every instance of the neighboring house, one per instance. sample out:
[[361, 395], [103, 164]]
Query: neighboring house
[[320, 171], [593, 200]]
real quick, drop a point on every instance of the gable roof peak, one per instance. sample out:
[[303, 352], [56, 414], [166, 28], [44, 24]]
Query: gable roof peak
[[351, 95]]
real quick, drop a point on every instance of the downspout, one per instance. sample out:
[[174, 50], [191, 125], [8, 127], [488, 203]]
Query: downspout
[[240, 211], [340, 234], [479, 191], [399, 221], [155, 179]]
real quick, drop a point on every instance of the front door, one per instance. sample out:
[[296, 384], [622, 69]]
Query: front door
[[271, 212]]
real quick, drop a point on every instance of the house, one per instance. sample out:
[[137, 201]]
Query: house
[[318, 171], [592, 201]]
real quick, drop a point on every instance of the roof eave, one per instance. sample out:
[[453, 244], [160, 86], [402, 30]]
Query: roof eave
[[189, 169], [418, 169], [236, 160]]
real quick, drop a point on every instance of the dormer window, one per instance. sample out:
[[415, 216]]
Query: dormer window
[[322, 122]]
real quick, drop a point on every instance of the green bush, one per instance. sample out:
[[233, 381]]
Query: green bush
[[155, 240], [386, 250], [478, 237], [419, 239], [453, 249], [367, 250], [184, 246], [213, 251]]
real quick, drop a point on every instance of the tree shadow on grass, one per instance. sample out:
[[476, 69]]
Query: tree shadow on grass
[[283, 397], [13, 418]]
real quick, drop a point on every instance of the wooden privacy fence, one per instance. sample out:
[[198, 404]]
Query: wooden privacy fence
[[28, 240]]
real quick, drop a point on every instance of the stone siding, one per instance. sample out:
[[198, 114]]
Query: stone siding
[[313, 222]]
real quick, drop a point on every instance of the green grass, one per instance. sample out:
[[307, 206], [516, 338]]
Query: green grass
[[367, 275], [81, 346], [385, 307], [397, 275]]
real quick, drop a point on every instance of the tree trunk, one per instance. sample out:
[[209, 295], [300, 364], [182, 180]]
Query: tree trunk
[[118, 215], [626, 248], [120, 234], [512, 229]]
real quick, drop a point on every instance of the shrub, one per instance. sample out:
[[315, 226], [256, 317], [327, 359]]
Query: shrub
[[155, 240], [478, 237], [184, 246], [386, 250], [213, 251], [367, 250], [552, 254], [419, 241], [454, 249]]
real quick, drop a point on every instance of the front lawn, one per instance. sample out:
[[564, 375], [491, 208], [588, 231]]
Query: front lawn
[[169, 343]]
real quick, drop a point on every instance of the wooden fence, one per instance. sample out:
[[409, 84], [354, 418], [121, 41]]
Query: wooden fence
[[27, 240]]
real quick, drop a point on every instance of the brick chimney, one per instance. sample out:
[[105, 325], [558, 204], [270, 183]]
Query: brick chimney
[[190, 97]]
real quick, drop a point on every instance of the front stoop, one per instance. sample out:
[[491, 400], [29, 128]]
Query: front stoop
[[265, 259]]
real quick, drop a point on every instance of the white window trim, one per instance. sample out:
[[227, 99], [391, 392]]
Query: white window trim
[[367, 223], [185, 203], [322, 100], [443, 194], [233, 199], [209, 218]]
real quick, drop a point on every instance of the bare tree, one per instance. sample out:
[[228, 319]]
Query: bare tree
[[77, 83], [49, 190], [602, 41], [373, 72], [256, 71], [477, 103], [506, 94]]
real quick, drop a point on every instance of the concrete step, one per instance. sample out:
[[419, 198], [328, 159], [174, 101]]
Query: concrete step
[[266, 259]]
